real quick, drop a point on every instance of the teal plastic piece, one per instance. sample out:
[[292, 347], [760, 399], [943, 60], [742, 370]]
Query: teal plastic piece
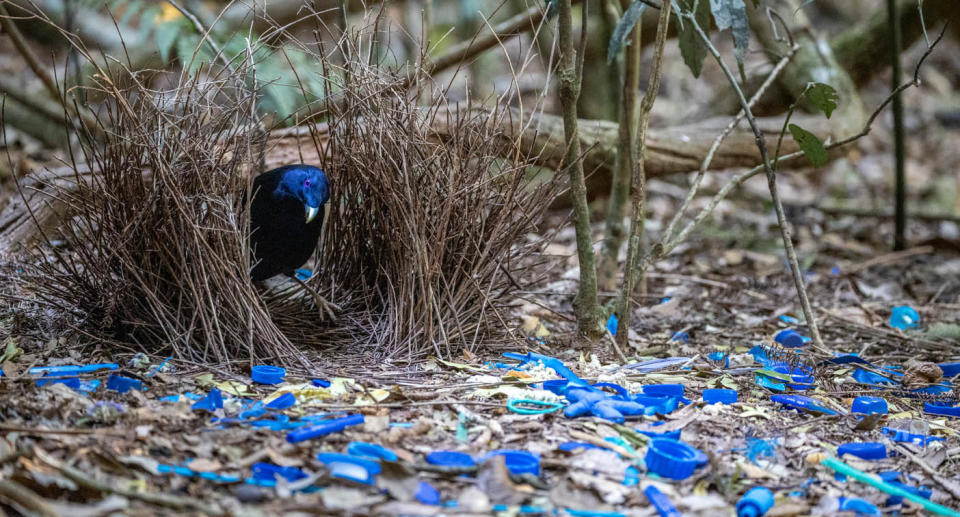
[[519, 406]]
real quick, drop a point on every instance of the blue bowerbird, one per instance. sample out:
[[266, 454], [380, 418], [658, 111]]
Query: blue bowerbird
[[286, 217]]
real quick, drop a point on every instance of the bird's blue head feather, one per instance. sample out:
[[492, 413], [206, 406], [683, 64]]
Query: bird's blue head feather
[[305, 183]]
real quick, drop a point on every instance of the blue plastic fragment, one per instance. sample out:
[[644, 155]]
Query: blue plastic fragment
[[802, 403], [904, 317], [371, 451], [900, 435], [320, 383], [170, 398], [322, 429], [618, 390], [950, 369], [631, 476], [303, 274], [549, 362], [867, 377], [212, 402], [668, 435], [720, 357], [922, 491], [860, 507], [451, 459], [267, 374], [801, 380], [123, 384], [403, 425], [868, 405], [863, 450], [159, 367], [719, 396], [756, 502], [681, 336], [517, 461], [846, 359], [427, 494], [669, 390], [789, 338], [936, 408], [789, 320], [345, 466], [673, 459], [254, 410], [269, 472], [572, 446], [71, 370], [70, 382], [285, 401], [576, 513], [612, 325], [661, 502], [761, 448]]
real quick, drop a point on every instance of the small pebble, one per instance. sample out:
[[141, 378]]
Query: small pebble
[[251, 493]]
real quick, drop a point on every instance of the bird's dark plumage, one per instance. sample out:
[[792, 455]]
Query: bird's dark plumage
[[286, 216]]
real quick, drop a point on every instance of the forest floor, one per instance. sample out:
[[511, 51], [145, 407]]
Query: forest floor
[[99, 452]]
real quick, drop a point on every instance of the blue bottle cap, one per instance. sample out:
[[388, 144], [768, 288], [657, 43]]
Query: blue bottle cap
[[756, 502], [719, 395], [427, 494], [672, 459], [450, 459], [371, 450], [287, 400], [869, 405], [518, 462], [904, 317], [789, 338], [935, 408], [345, 466], [670, 390], [122, 384], [266, 374], [863, 450]]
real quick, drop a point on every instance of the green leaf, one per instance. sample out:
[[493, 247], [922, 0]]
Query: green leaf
[[622, 31], [692, 47], [733, 14], [823, 96], [811, 146], [165, 36]]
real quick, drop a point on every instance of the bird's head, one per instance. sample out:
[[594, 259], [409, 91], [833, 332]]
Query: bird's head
[[307, 184]]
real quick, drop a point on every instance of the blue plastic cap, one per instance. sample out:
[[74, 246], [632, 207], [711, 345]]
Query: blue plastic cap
[[756, 502], [864, 450], [266, 374], [670, 390], [427, 494], [789, 338], [904, 317], [451, 459], [122, 384], [345, 466], [287, 400], [719, 395], [518, 462], [371, 450], [869, 405], [672, 459]]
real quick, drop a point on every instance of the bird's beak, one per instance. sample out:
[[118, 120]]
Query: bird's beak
[[311, 212]]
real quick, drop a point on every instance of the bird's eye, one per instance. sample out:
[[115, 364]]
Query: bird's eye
[[306, 183]]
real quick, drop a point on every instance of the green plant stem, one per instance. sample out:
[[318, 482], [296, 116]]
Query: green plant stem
[[639, 183], [771, 184], [589, 318], [900, 195], [626, 158]]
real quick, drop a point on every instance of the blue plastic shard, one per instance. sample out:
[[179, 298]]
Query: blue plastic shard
[[269, 472], [212, 402], [345, 466], [517, 461], [801, 403], [122, 384], [549, 362], [612, 325], [371, 451], [303, 274], [285, 401], [324, 428], [904, 317], [655, 365], [427, 494], [681, 336], [661, 502]]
